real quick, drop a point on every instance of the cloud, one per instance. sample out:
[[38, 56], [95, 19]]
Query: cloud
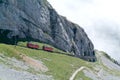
[[99, 18]]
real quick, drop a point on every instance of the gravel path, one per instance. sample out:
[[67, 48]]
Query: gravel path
[[76, 72]]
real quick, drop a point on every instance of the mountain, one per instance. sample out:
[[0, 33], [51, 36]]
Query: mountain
[[36, 20], [21, 63]]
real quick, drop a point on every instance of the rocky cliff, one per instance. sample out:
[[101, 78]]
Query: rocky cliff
[[36, 20]]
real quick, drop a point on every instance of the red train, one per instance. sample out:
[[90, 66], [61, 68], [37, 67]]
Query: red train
[[35, 46], [45, 48]]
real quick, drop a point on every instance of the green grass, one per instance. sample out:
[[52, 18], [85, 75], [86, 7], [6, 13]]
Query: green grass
[[8, 50], [60, 66]]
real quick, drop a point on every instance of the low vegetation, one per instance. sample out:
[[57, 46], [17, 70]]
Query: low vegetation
[[60, 66]]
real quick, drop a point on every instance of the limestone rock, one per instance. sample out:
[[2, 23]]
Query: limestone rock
[[36, 20]]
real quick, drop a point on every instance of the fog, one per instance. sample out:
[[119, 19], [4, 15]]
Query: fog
[[99, 18]]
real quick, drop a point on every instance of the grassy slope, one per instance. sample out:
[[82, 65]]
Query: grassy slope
[[60, 66]]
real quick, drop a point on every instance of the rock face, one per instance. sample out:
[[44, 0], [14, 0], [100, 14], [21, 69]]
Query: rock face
[[36, 20]]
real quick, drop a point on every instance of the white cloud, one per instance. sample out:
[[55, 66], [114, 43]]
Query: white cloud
[[99, 18]]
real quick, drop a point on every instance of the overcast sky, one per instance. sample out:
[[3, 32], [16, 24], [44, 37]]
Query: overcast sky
[[99, 18]]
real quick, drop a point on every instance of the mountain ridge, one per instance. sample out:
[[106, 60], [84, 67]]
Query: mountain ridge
[[36, 20]]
